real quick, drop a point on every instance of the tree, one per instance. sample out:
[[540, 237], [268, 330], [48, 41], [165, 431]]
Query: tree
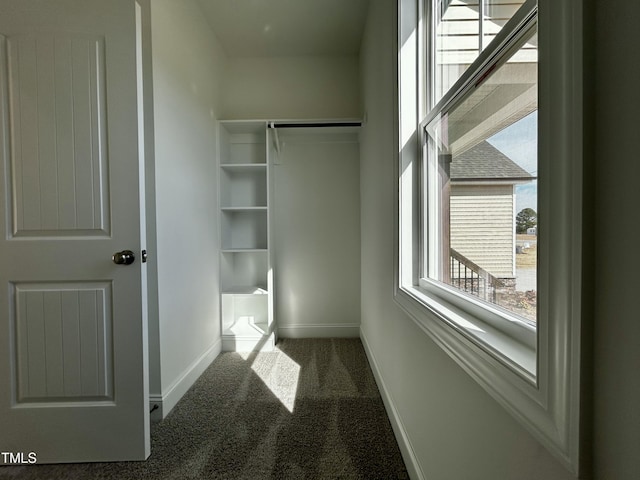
[[526, 219]]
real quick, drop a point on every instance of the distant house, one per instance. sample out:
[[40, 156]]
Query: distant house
[[482, 208]]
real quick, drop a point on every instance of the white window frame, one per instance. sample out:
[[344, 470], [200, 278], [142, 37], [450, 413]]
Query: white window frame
[[533, 373]]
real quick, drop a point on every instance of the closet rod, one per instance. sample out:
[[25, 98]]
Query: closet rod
[[305, 125]]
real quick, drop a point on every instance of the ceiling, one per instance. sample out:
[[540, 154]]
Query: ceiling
[[269, 28]]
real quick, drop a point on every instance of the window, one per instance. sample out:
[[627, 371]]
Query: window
[[472, 255], [489, 199]]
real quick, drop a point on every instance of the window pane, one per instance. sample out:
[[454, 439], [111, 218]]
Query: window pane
[[482, 187], [462, 29], [457, 41], [495, 14]]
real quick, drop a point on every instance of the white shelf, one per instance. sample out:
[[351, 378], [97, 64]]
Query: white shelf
[[245, 329], [245, 315], [244, 271], [243, 187], [243, 143], [244, 229], [242, 209], [240, 290], [246, 282], [239, 127], [244, 250], [243, 166]]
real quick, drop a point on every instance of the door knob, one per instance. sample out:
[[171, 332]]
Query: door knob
[[125, 257]]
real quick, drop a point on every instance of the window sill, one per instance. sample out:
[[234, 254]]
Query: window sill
[[516, 354]]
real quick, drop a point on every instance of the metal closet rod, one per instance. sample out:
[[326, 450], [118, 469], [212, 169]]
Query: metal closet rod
[[316, 124]]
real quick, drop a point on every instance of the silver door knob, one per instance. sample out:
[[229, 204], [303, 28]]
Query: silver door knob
[[125, 257]]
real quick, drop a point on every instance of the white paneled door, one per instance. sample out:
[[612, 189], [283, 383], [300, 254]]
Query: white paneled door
[[73, 353]]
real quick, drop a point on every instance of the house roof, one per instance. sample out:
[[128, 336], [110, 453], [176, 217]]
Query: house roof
[[484, 162]]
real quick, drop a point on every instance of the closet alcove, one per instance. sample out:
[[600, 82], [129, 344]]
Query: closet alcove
[[289, 198]]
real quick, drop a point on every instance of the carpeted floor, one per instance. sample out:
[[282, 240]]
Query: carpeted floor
[[309, 410]]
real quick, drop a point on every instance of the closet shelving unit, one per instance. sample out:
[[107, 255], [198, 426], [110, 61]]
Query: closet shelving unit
[[246, 279]]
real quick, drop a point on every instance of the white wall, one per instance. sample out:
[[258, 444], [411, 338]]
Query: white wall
[[455, 430], [188, 67], [292, 87], [194, 85], [317, 231], [616, 336]]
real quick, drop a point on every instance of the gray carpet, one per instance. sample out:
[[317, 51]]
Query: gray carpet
[[309, 410]]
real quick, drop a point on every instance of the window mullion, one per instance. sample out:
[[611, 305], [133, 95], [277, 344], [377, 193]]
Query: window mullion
[[481, 6]]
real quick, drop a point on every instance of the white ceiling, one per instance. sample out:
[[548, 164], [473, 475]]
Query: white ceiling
[[262, 28]]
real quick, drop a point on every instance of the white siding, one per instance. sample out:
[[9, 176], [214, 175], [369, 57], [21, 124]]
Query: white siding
[[482, 224]]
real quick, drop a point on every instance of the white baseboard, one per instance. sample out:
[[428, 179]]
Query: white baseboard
[[161, 405], [336, 330], [408, 454]]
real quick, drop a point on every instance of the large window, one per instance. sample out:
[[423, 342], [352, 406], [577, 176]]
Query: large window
[[479, 169], [489, 199], [479, 178]]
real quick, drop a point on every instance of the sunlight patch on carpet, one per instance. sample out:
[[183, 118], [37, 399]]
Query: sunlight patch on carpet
[[281, 376]]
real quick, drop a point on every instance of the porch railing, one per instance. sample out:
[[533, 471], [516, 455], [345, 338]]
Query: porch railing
[[471, 278]]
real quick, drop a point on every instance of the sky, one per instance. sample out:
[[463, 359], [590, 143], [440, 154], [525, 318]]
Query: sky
[[519, 142]]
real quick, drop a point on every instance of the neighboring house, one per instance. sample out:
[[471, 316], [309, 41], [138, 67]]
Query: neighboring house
[[482, 206]]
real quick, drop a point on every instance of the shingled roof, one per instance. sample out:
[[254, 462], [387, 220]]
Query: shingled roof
[[486, 163]]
